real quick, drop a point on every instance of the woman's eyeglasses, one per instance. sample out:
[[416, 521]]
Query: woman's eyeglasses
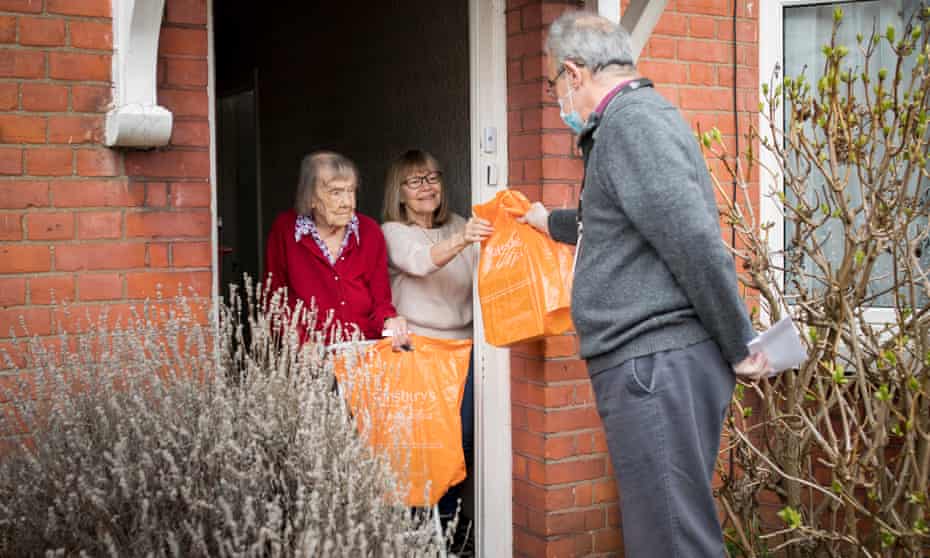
[[417, 182]]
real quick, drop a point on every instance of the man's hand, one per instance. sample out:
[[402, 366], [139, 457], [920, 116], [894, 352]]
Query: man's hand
[[400, 335], [537, 217], [753, 367]]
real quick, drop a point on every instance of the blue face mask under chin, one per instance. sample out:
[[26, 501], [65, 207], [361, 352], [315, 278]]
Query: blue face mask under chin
[[572, 119]]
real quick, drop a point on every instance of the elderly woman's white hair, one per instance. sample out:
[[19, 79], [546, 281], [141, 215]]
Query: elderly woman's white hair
[[589, 40], [317, 169]]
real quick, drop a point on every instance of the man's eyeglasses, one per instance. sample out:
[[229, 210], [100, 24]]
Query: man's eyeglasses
[[417, 182], [551, 82]]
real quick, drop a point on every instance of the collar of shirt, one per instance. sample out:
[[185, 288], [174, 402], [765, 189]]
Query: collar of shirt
[[305, 226], [595, 116]]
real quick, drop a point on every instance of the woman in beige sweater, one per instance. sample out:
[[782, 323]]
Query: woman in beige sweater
[[431, 260]]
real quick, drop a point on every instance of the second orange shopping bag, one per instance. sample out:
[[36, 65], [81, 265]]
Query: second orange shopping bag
[[524, 277], [406, 405]]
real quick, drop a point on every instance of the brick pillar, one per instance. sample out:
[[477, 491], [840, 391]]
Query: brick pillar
[[79, 221], [565, 500], [690, 56]]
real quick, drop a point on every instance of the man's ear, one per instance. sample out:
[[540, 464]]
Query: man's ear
[[574, 73]]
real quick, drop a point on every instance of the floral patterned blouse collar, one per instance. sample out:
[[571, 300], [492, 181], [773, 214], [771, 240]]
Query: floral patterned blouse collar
[[305, 226]]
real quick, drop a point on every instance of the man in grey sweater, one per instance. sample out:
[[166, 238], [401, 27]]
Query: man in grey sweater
[[655, 301]]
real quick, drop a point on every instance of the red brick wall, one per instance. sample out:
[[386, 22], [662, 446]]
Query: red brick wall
[[96, 226], [690, 57], [564, 496]]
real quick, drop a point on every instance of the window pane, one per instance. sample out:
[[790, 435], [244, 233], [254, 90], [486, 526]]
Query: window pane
[[806, 30]]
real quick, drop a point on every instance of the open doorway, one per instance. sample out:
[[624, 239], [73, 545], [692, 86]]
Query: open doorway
[[366, 79]]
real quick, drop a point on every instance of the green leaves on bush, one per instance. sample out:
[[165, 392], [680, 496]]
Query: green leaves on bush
[[791, 517]]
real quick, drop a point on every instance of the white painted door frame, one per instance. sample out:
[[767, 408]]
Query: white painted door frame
[[493, 450], [217, 291], [487, 37]]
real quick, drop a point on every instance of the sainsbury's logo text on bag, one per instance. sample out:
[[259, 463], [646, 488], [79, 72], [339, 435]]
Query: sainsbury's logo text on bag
[[505, 254], [404, 396]]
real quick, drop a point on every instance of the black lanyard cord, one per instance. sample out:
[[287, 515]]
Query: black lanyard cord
[[629, 86]]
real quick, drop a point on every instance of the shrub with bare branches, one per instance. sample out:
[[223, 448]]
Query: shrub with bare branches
[[167, 437], [842, 444]]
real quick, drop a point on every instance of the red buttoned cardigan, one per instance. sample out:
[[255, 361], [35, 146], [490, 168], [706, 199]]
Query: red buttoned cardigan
[[356, 289]]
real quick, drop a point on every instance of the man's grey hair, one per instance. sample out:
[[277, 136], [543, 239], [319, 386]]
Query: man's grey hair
[[590, 40]]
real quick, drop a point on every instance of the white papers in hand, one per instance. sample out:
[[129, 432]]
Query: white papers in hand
[[781, 344]]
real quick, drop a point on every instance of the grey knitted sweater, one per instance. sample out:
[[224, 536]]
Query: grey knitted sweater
[[653, 273]]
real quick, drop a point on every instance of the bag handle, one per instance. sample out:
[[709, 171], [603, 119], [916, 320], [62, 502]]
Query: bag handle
[[511, 202]]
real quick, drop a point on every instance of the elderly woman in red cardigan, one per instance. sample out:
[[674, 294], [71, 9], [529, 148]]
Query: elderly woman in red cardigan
[[331, 257]]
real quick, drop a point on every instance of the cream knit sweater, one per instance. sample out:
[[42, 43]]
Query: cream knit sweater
[[437, 301]]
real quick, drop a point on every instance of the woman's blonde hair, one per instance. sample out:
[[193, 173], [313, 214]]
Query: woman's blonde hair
[[319, 168], [411, 161]]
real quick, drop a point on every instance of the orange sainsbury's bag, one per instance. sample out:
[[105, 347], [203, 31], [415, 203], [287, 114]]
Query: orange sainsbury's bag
[[407, 405], [524, 277]]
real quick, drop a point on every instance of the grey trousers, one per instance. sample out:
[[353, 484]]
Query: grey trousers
[[663, 414]]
